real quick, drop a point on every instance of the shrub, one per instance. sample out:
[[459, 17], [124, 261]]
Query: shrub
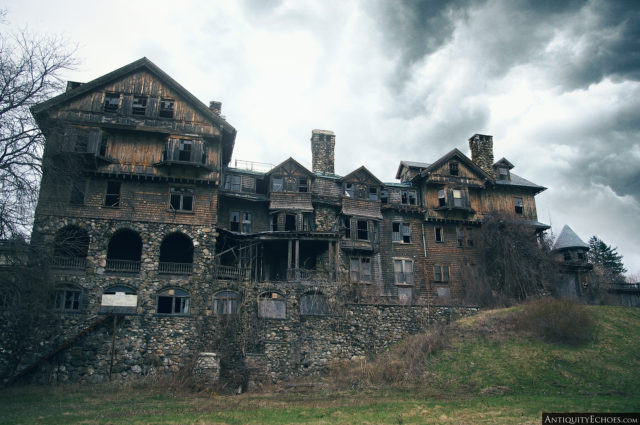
[[557, 321]]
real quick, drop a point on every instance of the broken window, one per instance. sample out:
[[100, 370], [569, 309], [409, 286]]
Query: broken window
[[181, 199], [313, 304], [408, 197], [246, 223], [139, 105], [67, 298], [272, 305], [303, 185], [362, 191], [349, 190], [77, 192], [166, 107], [460, 234], [441, 273], [112, 197], [360, 269], [363, 230], [384, 196], [290, 222], [276, 184], [401, 232], [403, 271], [373, 193], [347, 227], [518, 205], [290, 184], [235, 221], [184, 150], [457, 198], [453, 168], [441, 199], [226, 302], [274, 223], [173, 301], [71, 242], [439, 234], [111, 102]]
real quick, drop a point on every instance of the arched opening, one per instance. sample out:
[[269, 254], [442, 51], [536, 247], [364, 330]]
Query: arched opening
[[124, 252], [70, 248], [176, 254], [226, 302]]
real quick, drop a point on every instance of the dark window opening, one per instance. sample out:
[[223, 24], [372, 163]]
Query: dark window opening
[[103, 146], [125, 244], [226, 302], [235, 222], [181, 199], [363, 230], [77, 192], [112, 197], [176, 248], [349, 190], [276, 184], [384, 196], [519, 206], [71, 241], [567, 256], [184, 150], [453, 168], [67, 299], [580, 255], [139, 105], [241, 221], [111, 102], [439, 234], [347, 227], [290, 184], [313, 304], [303, 185], [166, 108], [173, 301], [408, 197], [373, 193], [403, 271], [441, 199], [290, 222], [401, 232], [460, 234], [274, 222]]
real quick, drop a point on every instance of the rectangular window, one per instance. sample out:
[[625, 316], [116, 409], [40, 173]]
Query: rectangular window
[[67, 299], [234, 222], [457, 198], [166, 108], [373, 193], [469, 236], [408, 197], [349, 190], [290, 222], [519, 206], [441, 273], [308, 222], [453, 168], [567, 256], [360, 269], [362, 191], [403, 271], [103, 146], [77, 192], [181, 199], [139, 105], [111, 102], [347, 227], [184, 150], [236, 183], [442, 202], [290, 184], [112, 197], [384, 196], [401, 232], [503, 173], [274, 223], [276, 184], [246, 223], [363, 230], [460, 234], [439, 234], [303, 185]]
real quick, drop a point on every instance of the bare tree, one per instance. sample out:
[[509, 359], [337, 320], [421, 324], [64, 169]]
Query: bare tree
[[30, 68]]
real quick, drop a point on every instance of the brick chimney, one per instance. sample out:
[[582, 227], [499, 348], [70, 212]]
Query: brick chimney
[[323, 144], [481, 147], [215, 107]]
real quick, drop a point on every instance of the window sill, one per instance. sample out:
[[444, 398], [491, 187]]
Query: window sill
[[180, 211], [111, 207], [401, 243], [172, 315], [439, 283]]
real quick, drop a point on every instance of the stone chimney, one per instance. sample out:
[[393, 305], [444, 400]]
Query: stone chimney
[[215, 107], [481, 147], [323, 144]]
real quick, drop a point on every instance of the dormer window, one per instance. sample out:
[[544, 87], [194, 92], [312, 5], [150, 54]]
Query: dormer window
[[139, 105], [503, 173], [453, 168], [166, 108], [111, 102]]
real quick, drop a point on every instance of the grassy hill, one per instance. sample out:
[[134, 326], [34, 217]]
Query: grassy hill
[[486, 369]]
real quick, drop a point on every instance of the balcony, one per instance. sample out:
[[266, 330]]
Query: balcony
[[123, 266], [175, 268], [295, 275], [69, 263], [190, 153], [231, 273]]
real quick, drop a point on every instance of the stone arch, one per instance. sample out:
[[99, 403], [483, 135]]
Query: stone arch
[[124, 251], [176, 254], [226, 302], [70, 247]]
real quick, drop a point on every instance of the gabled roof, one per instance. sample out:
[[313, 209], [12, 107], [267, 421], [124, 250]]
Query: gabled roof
[[290, 160], [364, 170], [503, 161], [229, 133], [568, 239], [410, 164], [455, 153]]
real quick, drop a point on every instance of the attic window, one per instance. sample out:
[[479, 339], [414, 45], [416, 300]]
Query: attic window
[[503, 173], [303, 185], [373, 193], [349, 190], [453, 168], [139, 105], [518, 205], [111, 101], [166, 108], [276, 184]]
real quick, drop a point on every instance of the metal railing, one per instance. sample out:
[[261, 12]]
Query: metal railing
[[175, 268], [71, 263], [126, 266], [231, 273], [308, 275]]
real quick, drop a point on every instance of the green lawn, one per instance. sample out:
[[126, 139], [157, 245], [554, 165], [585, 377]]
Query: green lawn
[[486, 376]]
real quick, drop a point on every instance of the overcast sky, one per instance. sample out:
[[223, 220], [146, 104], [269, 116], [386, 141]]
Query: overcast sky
[[556, 83]]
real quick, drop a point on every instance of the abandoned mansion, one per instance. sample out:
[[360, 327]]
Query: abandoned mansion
[[288, 267]]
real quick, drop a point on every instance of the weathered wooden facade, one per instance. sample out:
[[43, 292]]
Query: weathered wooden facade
[[138, 199]]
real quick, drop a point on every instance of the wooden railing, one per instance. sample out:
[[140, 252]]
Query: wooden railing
[[306, 274], [126, 266], [230, 273], [175, 268], [70, 263]]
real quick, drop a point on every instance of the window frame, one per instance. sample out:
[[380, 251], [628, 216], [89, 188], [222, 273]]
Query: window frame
[[180, 192], [362, 273], [179, 298], [226, 305], [139, 104], [403, 232], [277, 184], [163, 110], [108, 104], [360, 231], [438, 234], [454, 168], [61, 298], [518, 204], [116, 198], [268, 297], [457, 200], [441, 273], [402, 275]]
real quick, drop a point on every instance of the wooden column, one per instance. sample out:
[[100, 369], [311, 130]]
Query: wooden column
[[289, 256], [297, 259]]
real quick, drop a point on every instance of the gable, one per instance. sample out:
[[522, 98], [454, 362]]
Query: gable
[[467, 169], [361, 176], [290, 167]]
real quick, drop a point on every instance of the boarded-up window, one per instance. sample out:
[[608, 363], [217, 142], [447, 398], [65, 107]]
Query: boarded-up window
[[360, 269], [166, 108], [272, 305], [313, 304], [401, 232], [111, 101]]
